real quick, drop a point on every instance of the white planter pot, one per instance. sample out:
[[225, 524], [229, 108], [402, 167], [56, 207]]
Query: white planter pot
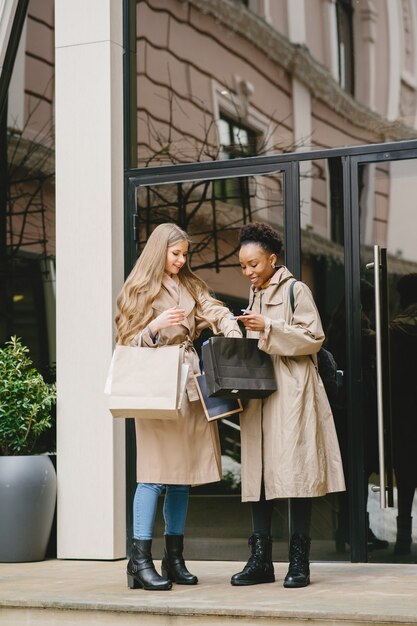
[[27, 505]]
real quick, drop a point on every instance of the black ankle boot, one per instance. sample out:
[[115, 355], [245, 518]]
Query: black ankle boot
[[259, 568], [299, 570], [374, 543], [173, 565], [141, 572], [404, 536]]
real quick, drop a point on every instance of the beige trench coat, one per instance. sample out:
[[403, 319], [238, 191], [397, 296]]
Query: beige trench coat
[[289, 439], [184, 451]]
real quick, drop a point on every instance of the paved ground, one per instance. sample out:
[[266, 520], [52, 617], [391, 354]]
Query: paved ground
[[96, 593]]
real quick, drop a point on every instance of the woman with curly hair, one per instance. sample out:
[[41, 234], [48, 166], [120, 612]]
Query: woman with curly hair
[[289, 442], [164, 303]]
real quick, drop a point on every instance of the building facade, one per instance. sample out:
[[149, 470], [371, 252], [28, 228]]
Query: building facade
[[211, 113]]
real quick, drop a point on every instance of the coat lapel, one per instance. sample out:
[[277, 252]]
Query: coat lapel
[[165, 301]]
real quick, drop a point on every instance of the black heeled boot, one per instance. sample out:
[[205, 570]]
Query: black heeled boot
[[299, 570], [141, 572], [259, 568], [173, 565]]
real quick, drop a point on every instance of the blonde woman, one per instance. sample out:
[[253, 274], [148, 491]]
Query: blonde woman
[[164, 303]]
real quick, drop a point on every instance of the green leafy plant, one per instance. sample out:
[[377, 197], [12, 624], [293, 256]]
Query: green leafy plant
[[26, 400]]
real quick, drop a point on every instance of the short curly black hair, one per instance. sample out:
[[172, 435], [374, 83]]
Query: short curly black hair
[[262, 234]]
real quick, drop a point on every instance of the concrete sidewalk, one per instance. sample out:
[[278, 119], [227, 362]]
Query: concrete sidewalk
[[92, 592]]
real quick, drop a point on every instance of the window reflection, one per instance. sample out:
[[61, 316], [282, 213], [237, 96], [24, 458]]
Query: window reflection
[[212, 211], [293, 75]]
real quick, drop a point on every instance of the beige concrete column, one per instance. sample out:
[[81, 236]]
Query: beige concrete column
[[89, 208]]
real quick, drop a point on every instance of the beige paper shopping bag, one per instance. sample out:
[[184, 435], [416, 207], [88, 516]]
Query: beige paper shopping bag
[[148, 383]]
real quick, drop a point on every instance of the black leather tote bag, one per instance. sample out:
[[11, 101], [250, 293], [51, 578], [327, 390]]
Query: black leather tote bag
[[236, 368]]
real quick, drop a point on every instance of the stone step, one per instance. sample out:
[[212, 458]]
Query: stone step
[[94, 593]]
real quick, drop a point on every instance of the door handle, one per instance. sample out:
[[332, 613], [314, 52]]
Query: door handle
[[379, 266]]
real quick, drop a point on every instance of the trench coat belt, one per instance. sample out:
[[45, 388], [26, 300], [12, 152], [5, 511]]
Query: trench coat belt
[[190, 356]]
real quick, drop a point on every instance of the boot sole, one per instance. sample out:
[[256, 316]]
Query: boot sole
[[294, 585], [167, 574], [179, 582], [246, 583], [133, 583]]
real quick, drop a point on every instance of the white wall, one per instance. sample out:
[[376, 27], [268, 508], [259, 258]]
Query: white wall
[[89, 212]]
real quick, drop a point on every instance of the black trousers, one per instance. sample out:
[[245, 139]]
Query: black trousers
[[300, 515]]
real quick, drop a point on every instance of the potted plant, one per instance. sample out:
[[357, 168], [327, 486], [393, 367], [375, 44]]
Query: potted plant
[[27, 479]]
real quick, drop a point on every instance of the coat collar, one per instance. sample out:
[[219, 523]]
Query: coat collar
[[281, 276]]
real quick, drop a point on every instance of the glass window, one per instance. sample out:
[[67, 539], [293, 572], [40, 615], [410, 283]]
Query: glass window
[[236, 141], [195, 73]]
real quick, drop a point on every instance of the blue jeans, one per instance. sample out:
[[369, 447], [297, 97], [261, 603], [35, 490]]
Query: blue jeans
[[145, 504]]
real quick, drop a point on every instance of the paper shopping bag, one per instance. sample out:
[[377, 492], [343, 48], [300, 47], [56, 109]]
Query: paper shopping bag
[[216, 408], [148, 383], [236, 368]]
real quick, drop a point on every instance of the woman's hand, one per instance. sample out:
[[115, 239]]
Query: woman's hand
[[170, 317], [252, 321]]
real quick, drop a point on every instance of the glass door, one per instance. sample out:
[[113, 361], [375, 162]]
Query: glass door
[[384, 198], [358, 219]]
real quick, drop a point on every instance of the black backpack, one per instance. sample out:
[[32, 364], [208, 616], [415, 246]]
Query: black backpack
[[326, 363]]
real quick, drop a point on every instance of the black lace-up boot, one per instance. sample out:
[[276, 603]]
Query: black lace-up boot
[[259, 568], [141, 572], [173, 565], [298, 574]]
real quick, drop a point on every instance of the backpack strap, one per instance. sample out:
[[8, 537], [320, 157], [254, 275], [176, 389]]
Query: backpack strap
[[292, 302], [314, 357]]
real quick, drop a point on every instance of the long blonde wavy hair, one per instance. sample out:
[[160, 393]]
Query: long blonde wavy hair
[[134, 303]]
